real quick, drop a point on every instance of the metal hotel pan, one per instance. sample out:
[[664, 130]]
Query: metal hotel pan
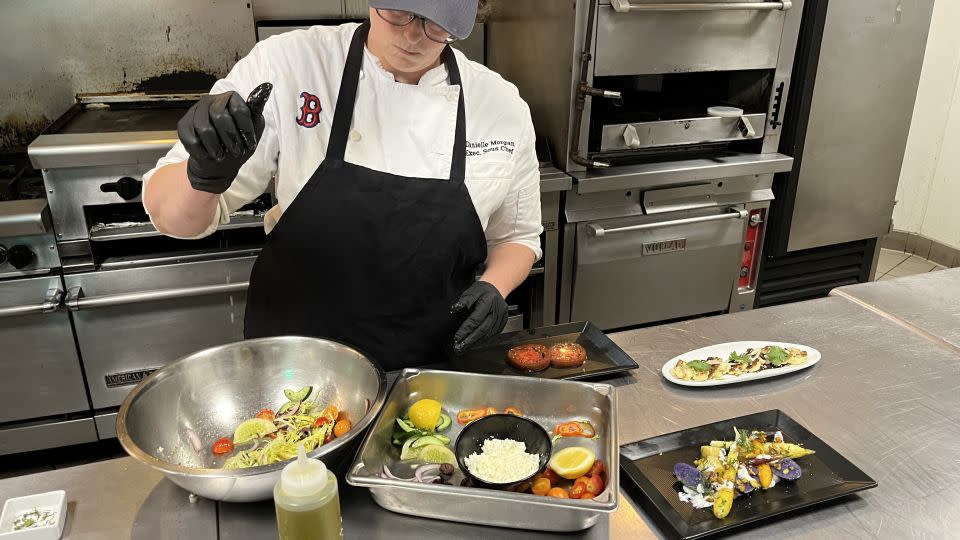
[[547, 402]]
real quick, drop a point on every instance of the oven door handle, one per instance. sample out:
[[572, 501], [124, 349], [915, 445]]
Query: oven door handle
[[75, 300], [732, 213], [624, 6], [50, 304]]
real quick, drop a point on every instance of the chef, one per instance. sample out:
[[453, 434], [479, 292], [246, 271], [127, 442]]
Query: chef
[[402, 171]]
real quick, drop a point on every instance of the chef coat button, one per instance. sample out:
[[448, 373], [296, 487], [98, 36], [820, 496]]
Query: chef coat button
[[361, 74], [354, 135]]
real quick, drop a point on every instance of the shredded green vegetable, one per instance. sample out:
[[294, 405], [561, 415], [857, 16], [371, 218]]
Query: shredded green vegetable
[[293, 430]]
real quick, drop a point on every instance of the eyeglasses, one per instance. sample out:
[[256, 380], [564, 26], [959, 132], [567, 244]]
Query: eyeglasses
[[430, 29]]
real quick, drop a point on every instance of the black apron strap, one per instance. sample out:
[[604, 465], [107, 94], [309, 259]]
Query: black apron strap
[[343, 115], [458, 164]]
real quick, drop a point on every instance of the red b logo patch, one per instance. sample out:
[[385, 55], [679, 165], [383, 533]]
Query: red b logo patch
[[309, 111]]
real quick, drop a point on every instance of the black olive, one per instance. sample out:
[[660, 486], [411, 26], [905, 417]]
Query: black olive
[[446, 469], [466, 482], [438, 481]]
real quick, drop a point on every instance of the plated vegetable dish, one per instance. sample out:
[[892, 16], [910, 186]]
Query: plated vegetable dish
[[728, 470], [271, 437], [737, 364]]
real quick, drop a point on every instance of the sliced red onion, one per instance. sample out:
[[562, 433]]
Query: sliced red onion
[[194, 440], [390, 475], [425, 470]]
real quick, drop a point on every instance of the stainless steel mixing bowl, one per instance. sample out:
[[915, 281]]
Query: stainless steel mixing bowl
[[171, 419]]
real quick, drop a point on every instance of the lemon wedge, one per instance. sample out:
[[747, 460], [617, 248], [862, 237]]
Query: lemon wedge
[[425, 414], [572, 463]]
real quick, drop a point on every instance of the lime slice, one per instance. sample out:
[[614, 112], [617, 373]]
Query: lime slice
[[425, 414], [408, 452], [299, 395], [251, 429], [434, 453]]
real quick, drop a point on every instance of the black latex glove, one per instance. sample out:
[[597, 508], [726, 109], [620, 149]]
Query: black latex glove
[[487, 315], [221, 132]]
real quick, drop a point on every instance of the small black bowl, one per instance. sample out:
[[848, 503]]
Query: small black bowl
[[502, 426]]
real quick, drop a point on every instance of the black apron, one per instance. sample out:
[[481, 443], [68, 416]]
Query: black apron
[[370, 259]]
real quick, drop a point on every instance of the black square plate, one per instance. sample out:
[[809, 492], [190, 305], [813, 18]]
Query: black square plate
[[648, 465], [604, 357]]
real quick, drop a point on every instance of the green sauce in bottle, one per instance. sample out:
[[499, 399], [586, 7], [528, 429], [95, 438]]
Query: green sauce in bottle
[[307, 501]]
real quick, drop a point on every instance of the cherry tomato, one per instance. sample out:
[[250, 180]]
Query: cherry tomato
[[595, 486], [579, 487], [550, 475], [341, 428], [266, 414], [330, 413], [224, 445], [559, 493], [513, 410], [597, 469], [469, 415], [541, 486], [319, 422]]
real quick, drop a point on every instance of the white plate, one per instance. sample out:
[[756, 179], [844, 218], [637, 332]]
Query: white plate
[[723, 350]]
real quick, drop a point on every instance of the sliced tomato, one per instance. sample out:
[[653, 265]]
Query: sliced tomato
[[266, 414], [469, 415], [559, 493], [597, 469], [578, 489], [223, 445], [595, 486], [513, 410]]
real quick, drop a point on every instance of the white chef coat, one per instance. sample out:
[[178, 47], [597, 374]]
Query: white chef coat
[[402, 129]]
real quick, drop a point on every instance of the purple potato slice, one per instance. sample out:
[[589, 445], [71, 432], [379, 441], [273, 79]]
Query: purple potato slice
[[786, 468], [688, 474]]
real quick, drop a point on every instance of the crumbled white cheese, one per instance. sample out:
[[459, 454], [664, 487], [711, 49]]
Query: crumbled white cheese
[[698, 500], [778, 437], [502, 461]]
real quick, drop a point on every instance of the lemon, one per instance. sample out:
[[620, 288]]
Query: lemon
[[425, 414], [572, 463]]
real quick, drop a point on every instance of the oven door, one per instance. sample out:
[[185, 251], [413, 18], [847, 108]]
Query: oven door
[[667, 36], [39, 363], [131, 321], [631, 271]]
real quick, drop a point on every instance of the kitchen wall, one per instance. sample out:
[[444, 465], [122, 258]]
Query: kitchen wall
[[929, 189], [51, 50]]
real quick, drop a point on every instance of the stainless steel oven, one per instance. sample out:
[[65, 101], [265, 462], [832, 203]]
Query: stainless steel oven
[[43, 401], [137, 299], [668, 116]]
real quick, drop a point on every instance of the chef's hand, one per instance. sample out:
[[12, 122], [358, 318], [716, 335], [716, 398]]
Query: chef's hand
[[487, 315], [221, 132]]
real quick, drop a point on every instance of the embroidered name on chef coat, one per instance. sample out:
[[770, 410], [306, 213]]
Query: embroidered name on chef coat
[[480, 148]]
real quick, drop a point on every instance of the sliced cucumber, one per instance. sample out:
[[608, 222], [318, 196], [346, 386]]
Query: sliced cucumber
[[429, 439], [405, 426], [299, 395], [408, 452], [443, 438], [286, 407], [444, 422]]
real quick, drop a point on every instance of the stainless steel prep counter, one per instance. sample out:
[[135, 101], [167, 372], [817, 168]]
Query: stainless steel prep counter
[[929, 303], [882, 395]]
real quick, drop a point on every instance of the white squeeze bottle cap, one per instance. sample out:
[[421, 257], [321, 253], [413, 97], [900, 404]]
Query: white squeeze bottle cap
[[304, 477]]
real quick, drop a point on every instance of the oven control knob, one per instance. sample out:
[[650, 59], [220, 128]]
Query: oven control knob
[[127, 188], [3, 254], [20, 256]]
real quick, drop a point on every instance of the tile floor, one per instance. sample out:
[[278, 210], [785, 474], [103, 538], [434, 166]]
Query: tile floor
[[894, 264]]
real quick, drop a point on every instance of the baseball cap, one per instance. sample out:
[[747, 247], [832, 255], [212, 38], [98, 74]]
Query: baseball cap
[[454, 16]]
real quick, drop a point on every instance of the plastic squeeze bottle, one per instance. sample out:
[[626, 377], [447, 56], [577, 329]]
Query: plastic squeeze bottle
[[307, 501]]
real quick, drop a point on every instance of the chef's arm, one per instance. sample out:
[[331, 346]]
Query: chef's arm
[[508, 265], [175, 208]]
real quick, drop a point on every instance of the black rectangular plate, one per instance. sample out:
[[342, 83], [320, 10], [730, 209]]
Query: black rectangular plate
[[648, 465], [604, 357]]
